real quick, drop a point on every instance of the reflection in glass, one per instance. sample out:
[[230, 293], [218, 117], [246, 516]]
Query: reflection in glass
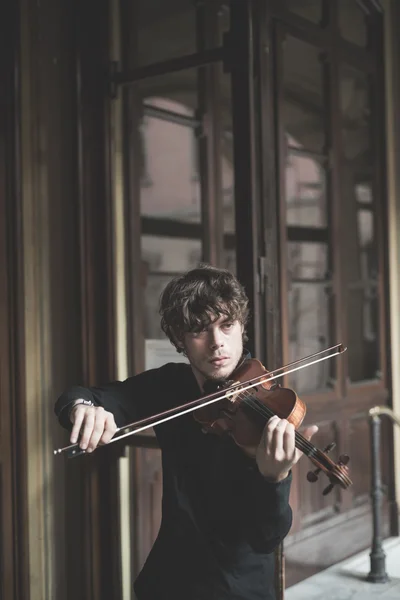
[[308, 9], [170, 195], [309, 312], [224, 17], [170, 176], [361, 268], [363, 302], [163, 258], [305, 189], [352, 22], [303, 95], [228, 187], [165, 30], [179, 87], [356, 114]]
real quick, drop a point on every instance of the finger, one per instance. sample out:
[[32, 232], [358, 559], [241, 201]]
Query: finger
[[289, 439], [88, 425], [307, 434], [268, 432], [279, 437], [78, 416], [310, 431], [98, 428], [109, 429]]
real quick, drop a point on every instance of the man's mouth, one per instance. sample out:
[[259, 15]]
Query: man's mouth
[[219, 360]]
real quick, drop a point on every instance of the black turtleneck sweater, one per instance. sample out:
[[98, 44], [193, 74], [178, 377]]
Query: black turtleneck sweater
[[221, 521]]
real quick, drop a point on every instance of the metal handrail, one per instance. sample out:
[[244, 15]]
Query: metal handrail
[[377, 555]]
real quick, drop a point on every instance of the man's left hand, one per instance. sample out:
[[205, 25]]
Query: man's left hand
[[276, 453]]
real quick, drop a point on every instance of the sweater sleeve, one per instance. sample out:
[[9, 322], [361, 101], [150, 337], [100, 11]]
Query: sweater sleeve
[[259, 508], [130, 400], [270, 517]]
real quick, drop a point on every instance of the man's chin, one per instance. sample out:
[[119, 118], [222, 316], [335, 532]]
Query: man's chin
[[221, 373]]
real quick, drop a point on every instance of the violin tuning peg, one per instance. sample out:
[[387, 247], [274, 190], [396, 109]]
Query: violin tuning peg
[[344, 459], [328, 489], [329, 447], [312, 477]]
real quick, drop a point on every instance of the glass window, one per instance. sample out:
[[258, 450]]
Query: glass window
[[163, 258], [305, 188], [359, 226], [309, 312], [224, 17], [165, 30], [303, 95], [227, 174], [179, 87], [356, 115], [308, 9], [170, 187], [352, 22], [170, 193]]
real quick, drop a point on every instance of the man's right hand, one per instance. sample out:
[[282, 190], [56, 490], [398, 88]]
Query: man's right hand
[[96, 426]]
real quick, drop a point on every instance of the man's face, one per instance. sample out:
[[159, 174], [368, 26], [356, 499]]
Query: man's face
[[215, 351]]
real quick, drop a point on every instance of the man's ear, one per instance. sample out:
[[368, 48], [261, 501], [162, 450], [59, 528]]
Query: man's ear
[[179, 343]]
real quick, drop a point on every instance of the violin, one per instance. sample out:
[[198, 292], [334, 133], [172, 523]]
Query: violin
[[240, 408], [243, 414]]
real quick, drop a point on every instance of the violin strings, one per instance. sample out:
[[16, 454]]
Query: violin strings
[[302, 443]]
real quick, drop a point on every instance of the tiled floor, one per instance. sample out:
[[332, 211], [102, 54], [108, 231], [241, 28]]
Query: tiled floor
[[347, 580]]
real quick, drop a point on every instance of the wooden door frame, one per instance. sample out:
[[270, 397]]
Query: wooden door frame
[[340, 52], [14, 509]]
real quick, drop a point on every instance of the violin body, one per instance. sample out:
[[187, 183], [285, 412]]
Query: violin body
[[250, 400], [243, 415]]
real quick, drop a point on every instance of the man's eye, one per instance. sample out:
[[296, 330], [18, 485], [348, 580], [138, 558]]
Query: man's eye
[[197, 333], [228, 325]]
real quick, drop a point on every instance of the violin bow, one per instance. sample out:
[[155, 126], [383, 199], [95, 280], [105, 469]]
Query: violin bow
[[73, 450]]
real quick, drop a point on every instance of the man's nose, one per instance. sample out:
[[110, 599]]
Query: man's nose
[[216, 340]]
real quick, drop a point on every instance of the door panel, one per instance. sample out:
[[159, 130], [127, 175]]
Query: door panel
[[331, 204], [304, 223], [13, 571]]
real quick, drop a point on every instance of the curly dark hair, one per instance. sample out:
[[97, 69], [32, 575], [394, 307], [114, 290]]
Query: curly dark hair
[[192, 301]]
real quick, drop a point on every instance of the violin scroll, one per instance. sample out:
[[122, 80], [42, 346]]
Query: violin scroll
[[337, 474]]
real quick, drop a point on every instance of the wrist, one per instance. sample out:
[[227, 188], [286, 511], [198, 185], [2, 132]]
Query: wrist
[[75, 404], [275, 478]]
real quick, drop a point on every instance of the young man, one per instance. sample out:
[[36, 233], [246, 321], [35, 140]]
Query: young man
[[223, 512]]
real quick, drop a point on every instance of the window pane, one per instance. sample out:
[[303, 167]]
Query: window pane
[[228, 199], [363, 340], [170, 186], [164, 29], [356, 115], [170, 181], [359, 225], [363, 301], [305, 189], [304, 104], [179, 87], [352, 22], [170, 194], [163, 258], [308, 9], [224, 17], [309, 312]]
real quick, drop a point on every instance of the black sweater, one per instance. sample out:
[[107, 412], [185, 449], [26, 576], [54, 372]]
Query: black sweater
[[220, 519]]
